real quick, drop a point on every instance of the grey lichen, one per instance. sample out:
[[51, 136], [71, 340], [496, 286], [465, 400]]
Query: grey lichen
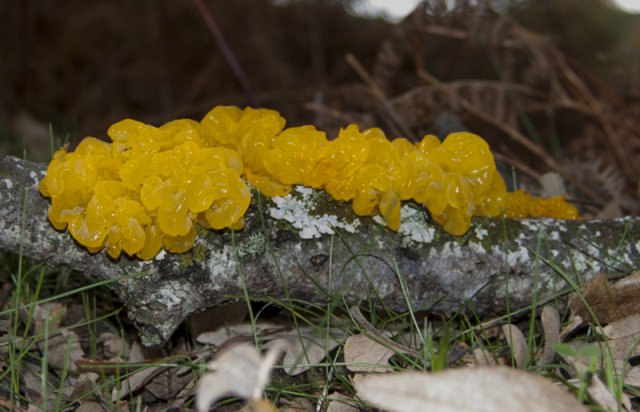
[[300, 210], [252, 245], [221, 266]]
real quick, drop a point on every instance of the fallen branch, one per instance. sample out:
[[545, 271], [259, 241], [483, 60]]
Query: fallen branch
[[497, 263]]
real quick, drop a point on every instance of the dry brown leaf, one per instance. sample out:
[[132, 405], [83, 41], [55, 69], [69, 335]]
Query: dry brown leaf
[[363, 354], [381, 336], [298, 404], [136, 353], [631, 375], [50, 312], [90, 406], [135, 381], [239, 370], [588, 355], [260, 405], [480, 357], [113, 345], [184, 396], [597, 294], [85, 384], [161, 382], [338, 402], [574, 323], [302, 347], [168, 384], [608, 302], [32, 383], [10, 405], [64, 349], [32, 376], [219, 336], [601, 395], [623, 337], [491, 389], [517, 343], [305, 347], [551, 326]]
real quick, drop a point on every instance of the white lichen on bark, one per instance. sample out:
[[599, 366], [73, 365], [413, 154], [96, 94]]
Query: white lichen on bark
[[298, 209]]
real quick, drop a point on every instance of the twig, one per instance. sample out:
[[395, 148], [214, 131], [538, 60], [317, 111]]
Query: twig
[[336, 114], [619, 151], [379, 337], [518, 165], [378, 93], [229, 56], [511, 132]]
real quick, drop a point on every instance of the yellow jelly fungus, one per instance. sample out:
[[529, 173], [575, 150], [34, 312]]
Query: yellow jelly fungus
[[149, 188]]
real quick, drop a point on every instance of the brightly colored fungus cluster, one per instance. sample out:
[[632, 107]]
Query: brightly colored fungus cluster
[[149, 188]]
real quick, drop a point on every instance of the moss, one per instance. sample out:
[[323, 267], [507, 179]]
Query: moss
[[199, 253], [196, 255], [186, 259], [324, 204]]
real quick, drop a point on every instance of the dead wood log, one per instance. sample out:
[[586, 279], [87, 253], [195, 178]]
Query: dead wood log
[[497, 263]]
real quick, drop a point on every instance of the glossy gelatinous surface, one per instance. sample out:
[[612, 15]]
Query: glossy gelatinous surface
[[149, 187]]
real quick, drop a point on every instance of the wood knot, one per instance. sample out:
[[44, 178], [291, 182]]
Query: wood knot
[[318, 261]]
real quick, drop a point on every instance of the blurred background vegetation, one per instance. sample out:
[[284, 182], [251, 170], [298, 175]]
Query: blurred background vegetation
[[80, 66]]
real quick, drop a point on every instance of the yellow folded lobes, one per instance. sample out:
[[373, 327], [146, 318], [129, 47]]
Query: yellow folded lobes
[[152, 244], [228, 208], [390, 209], [495, 199], [149, 187], [294, 156], [146, 189], [520, 204]]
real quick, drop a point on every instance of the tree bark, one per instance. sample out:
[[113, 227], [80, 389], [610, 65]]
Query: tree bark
[[498, 264]]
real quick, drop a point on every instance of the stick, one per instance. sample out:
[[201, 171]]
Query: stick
[[497, 264]]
